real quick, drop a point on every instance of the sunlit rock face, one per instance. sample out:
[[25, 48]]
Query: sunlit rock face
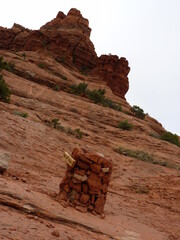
[[67, 39]]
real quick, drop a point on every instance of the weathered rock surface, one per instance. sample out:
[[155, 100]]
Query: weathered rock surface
[[4, 160], [67, 39], [140, 196]]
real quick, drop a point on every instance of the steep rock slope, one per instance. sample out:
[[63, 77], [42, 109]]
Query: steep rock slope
[[141, 194]]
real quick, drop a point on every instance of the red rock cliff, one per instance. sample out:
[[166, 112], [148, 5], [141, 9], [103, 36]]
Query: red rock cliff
[[67, 39]]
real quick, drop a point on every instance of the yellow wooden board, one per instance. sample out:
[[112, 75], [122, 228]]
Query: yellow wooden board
[[69, 160]]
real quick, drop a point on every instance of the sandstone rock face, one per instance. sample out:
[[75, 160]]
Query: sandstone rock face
[[114, 71], [4, 160], [67, 39], [89, 191]]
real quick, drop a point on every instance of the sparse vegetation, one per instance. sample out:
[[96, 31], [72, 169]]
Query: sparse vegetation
[[5, 92], [6, 65], [79, 89], [145, 157], [138, 112], [95, 95], [57, 125], [172, 138], [125, 125], [41, 65], [21, 114], [64, 78], [24, 55], [56, 87]]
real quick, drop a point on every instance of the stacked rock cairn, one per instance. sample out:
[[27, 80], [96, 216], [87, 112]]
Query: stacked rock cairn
[[85, 184]]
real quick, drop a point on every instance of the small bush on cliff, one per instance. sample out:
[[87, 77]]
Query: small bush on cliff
[[125, 125], [21, 114], [138, 112], [6, 65], [79, 89], [5, 92], [170, 137], [145, 157], [95, 95]]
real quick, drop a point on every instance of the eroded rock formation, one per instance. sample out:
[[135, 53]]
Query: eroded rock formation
[[85, 184], [67, 39]]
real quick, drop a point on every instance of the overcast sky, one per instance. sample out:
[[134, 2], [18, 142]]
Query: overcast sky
[[146, 32]]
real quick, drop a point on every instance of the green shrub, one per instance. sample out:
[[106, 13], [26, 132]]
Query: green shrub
[[125, 125], [41, 65], [55, 122], [21, 114], [138, 112], [170, 137], [6, 65], [56, 88], [78, 133], [5, 92], [64, 78], [97, 96], [145, 157], [79, 89]]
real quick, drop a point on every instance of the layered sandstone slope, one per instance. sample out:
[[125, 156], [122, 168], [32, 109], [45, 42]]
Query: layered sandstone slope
[[67, 39], [143, 200]]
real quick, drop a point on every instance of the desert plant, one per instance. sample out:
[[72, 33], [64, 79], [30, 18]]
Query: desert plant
[[95, 95], [6, 65], [125, 125], [56, 88], [145, 157], [138, 112], [64, 78], [78, 133], [41, 65], [55, 122], [21, 114], [170, 137], [5, 92], [79, 89]]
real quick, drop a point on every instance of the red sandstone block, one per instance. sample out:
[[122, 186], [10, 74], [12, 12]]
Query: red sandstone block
[[92, 157], [95, 168], [63, 196], [94, 182], [95, 192], [74, 180], [104, 188], [74, 186], [106, 178], [99, 204], [92, 199], [85, 188], [84, 198], [84, 159], [81, 172], [66, 188], [83, 165], [76, 153]]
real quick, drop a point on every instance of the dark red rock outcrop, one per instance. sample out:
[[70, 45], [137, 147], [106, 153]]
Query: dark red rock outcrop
[[114, 71], [67, 39]]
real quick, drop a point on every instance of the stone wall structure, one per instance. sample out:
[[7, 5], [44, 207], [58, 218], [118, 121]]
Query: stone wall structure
[[86, 181]]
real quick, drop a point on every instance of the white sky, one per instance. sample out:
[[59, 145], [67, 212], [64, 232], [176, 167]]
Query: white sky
[[146, 32]]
